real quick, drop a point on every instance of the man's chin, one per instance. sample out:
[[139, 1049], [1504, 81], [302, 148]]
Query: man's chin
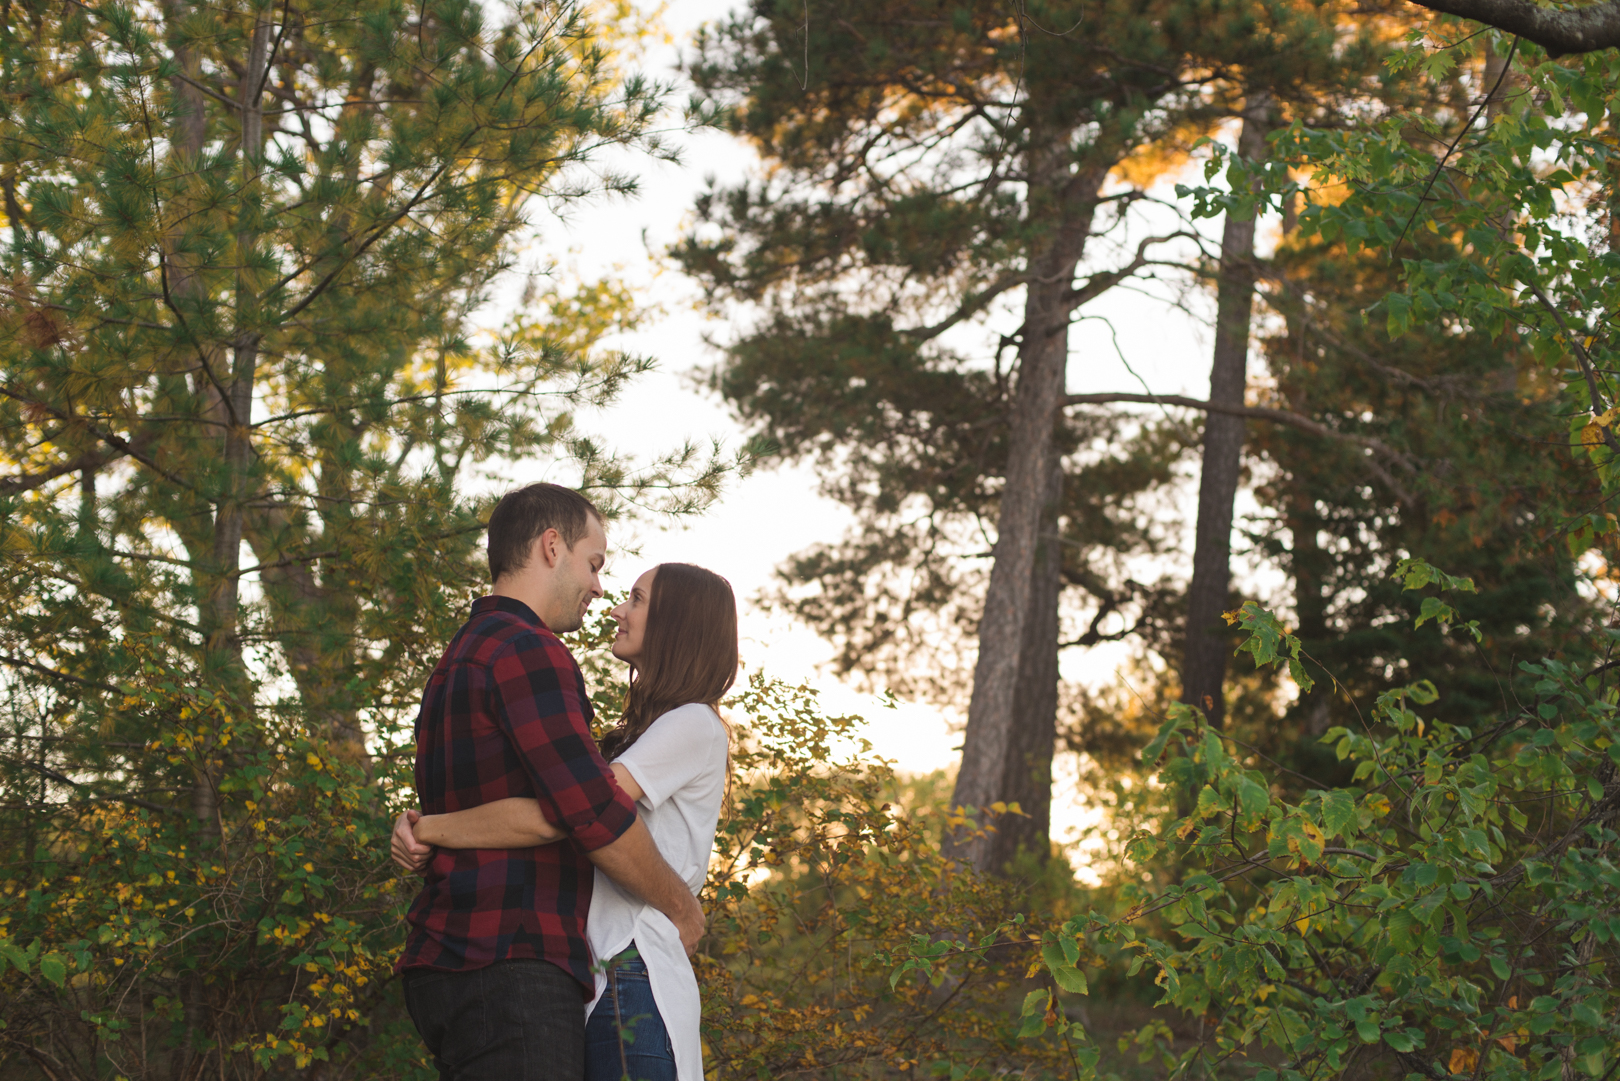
[[567, 626]]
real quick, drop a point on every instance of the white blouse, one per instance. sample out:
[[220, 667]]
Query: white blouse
[[680, 764]]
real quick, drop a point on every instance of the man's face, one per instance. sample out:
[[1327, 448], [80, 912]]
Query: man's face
[[578, 579]]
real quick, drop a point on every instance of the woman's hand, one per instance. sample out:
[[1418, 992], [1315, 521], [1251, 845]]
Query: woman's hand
[[407, 851]]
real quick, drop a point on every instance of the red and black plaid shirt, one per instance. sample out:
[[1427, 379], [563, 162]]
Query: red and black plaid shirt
[[506, 714]]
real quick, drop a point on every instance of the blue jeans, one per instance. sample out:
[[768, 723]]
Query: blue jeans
[[625, 1037]]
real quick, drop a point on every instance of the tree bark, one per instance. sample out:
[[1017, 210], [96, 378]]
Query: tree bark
[[1068, 201], [1203, 670], [1027, 780], [1559, 31]]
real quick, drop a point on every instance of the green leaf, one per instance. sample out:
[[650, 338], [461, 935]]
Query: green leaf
[[1254, 797], [1070, 978], [10, 951], [53, 966], [1338, 813], [1177, 720], [1399, 1039], [1417, 573], [1034, 1014], [1435, 608]]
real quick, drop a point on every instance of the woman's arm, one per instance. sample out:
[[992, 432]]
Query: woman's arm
[[626, 782], [505, 823]]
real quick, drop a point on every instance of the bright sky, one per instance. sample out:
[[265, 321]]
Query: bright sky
[[769, 516]]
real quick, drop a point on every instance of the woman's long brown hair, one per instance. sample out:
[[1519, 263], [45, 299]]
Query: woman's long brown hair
[[688, 650]]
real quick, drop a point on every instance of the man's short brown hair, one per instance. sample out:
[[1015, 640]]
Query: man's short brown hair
[[522, 516]]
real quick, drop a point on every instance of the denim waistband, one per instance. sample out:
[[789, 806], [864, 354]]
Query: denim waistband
[[628, 963]]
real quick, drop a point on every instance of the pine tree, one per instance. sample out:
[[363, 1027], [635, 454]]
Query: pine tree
[[248, 428], [936, 170]]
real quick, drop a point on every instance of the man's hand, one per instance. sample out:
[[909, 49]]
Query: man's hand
[[691, 926], [407, 851], [634, 862]]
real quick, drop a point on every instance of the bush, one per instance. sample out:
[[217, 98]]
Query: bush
[[1452, 912], [143, 944]]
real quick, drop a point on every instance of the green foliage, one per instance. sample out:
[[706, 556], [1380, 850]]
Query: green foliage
[[1450, 912], [1269, 642], [248, 428], [1447, 449], [137, 917]]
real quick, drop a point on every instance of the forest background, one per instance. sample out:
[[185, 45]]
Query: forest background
[[282, 313]]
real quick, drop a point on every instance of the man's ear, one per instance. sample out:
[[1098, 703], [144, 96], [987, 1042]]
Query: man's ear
[[548, 548]]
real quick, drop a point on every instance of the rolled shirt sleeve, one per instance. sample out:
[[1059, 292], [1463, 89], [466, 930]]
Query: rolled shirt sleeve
[[540, 701]]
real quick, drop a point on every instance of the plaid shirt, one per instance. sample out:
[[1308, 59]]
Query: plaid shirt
[[506, 714]]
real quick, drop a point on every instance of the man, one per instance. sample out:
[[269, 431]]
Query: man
[[497, 969]]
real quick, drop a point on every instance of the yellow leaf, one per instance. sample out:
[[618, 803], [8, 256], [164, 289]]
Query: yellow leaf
[[1593, 432], [1462, 1060]]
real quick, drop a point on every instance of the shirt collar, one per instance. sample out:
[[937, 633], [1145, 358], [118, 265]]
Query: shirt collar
[[510, 605]]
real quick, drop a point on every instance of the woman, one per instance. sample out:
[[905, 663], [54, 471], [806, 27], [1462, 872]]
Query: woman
[[669, 752]]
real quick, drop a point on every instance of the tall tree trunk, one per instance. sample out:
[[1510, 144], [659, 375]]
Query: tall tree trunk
[[1310, 564], [1028, 777], [183, 291], [1203, 671], [224, 648], [1068, 201], [230, 407]]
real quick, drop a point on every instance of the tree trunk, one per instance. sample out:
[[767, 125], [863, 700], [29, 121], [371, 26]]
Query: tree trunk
[[1028, 777], [1069, 202], [1310, 565], [1204, 669]]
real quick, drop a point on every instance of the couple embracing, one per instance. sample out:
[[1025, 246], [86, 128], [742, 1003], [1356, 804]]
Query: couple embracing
[[559, 904]]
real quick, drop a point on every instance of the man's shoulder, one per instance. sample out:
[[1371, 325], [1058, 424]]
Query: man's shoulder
[[494, 636]]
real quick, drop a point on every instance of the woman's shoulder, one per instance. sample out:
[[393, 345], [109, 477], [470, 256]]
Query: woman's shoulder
[[693, 715], [693, 726]]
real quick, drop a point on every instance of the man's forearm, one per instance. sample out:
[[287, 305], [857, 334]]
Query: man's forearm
[[634, 862]]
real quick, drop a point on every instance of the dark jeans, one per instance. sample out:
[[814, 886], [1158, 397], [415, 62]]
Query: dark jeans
[[625, 1037], [511, 1021]]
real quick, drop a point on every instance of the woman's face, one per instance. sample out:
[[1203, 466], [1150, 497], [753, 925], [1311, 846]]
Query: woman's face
[[631, 616]]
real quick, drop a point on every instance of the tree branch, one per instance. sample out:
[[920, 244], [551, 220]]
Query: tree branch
[[1250, 412], [27, 482], [1560, 32], [18, 662], [1277, 416]]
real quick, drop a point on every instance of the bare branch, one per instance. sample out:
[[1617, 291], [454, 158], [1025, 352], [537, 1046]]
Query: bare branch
[[1276, 416]]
